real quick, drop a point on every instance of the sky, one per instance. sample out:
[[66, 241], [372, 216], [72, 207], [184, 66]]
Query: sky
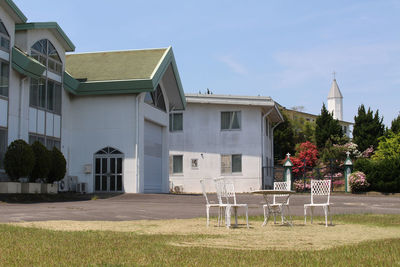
[[287, 50]]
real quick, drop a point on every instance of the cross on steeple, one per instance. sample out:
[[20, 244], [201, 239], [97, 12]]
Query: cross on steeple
[[334, 75]]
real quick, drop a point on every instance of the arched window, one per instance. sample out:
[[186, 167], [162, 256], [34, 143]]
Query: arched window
[[156, 98], [108, 174], [46, 93], [45, 52], [4, 38]]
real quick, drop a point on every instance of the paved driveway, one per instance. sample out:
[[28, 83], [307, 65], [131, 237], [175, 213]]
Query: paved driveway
[[168, 206]]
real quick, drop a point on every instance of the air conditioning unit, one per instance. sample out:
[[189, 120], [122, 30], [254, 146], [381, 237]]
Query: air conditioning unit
[[178, 189], [81, 188], [68, 184]]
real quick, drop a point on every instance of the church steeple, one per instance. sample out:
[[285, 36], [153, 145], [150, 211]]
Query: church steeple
[[335, 100]]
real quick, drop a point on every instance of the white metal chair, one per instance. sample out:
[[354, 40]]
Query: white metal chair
[[226, 190], [279, 201], [211, 204], [319, 189]]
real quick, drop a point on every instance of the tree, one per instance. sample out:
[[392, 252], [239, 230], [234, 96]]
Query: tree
[[284, 139], [326, 128], [388, 147], [19, 159], [303, 130], [396, 125], [306, 156], [58, 166], [42, 161], [367, 128]]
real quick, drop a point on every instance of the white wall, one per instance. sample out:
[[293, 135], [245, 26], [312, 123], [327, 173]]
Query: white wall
[[203, 139], [93, 122], [150, 113]]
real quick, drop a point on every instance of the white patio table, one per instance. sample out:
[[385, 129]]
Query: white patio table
[[283, 194]]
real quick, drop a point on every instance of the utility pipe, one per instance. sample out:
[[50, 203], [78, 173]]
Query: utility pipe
[[137, 144], [263, 124], [21, 87]]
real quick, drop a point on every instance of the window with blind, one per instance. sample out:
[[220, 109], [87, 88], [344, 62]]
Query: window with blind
[[231, 163], [4, 74], [48, 142], [230, 120], [4, 38], [177, 164], [46, 95], [175, 122]]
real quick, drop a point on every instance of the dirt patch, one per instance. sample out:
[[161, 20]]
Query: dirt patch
[[298, 237]]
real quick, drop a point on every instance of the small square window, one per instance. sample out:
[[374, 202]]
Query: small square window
[[177, 164], [230, 120], [175, 122], [195, 163], [231, 163]]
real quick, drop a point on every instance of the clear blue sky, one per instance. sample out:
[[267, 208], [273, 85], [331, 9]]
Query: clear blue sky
[[283, 49]]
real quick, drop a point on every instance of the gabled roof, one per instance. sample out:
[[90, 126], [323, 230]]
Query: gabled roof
[[334, 92], [114, 66], [122, 72], [13, 10], [52, 26]]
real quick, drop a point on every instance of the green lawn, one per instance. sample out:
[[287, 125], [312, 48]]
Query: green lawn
[[39, 247]]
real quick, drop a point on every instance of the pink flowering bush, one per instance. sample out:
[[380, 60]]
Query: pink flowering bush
[[338, 183], [299, 185], [358, 182], [368, 152]]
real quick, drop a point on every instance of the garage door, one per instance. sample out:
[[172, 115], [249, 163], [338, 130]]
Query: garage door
[[152, 158]]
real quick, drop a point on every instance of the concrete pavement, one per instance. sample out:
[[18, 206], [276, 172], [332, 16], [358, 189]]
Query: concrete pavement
[[170, 206]]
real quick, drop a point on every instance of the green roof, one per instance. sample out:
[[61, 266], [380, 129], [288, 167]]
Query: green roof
[[114, 66], [60, 34], [18, 15], [121, 72], [26, 65]]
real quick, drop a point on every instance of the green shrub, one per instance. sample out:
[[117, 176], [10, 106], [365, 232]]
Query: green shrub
[[58, 166], [19, 159], [42, 161], [363, 165], [383, 175], [388, 148]]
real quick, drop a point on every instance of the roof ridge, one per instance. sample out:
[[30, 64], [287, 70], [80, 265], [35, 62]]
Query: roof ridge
[[116, 51]]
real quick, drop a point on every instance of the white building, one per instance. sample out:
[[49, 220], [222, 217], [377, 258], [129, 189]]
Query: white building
[[335, 101], [223, 136], [107, 112]]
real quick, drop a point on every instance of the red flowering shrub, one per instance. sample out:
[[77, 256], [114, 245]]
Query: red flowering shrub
[[306, 154]]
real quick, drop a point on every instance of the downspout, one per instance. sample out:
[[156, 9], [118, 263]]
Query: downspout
[[263, 125], [21, 86], [137, 144]]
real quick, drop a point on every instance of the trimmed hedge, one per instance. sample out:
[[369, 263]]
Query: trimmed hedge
[[58, 166], [383, 175], [42, 162], [19, 159]]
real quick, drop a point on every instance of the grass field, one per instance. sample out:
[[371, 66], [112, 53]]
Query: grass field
[[354, 240]]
